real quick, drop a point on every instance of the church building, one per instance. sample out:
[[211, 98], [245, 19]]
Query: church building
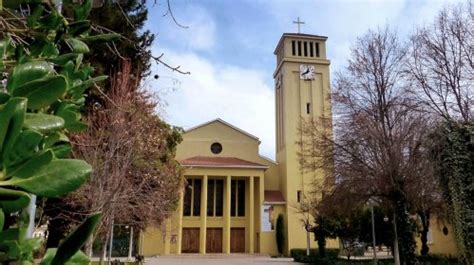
[[234, 195]]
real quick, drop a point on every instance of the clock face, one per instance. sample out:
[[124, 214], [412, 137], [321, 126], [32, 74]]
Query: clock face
[[307, 72]]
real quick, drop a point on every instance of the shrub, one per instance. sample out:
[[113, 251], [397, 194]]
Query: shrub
[[331, 258], [299, 255], [280, 235]]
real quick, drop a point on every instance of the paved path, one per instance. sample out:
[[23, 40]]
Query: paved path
[[233, 259]]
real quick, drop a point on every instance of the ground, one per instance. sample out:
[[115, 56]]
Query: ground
[[219, 259]]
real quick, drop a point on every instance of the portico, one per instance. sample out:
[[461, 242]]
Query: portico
[[220, 207]]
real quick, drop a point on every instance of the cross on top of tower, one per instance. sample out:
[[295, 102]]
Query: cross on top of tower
[[298, 22]]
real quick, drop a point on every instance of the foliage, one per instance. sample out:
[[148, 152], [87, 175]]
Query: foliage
[[42, 56], [315, 257], [332, 258], [324, 228], [128, 18], [280, 233], [453, 153], [133, 152]]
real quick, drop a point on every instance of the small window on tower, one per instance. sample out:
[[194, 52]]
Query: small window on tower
[[308, 108], [298, 196], [305, 45], [317, 49], [299, 48], [311, 49], [293, 47]]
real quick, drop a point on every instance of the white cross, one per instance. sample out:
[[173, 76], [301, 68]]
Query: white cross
[[298, 22]]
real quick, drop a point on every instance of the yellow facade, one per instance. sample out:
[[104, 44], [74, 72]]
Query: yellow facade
[[302, 89]]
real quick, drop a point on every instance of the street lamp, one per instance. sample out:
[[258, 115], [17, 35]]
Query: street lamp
[[374, 244]]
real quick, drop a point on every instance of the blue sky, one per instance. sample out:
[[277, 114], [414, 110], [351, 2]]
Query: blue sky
[[228, 48]]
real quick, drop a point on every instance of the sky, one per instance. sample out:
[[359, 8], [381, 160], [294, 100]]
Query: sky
[[228, 45]]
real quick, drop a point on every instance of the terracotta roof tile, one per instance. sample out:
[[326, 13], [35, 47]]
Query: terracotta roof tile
[[219, 161], [274, 197]]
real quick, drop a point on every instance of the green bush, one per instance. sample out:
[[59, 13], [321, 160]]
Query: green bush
[[299, 255], [280, 233]]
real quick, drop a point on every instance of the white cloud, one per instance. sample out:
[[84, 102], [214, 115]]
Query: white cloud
[[232, 93], [200, 33]]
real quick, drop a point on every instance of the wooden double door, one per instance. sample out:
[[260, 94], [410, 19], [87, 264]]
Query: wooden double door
[[214, 240], [190, 240], [237, 240]]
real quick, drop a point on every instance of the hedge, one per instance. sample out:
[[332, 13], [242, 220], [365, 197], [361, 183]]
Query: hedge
[[299, 255]]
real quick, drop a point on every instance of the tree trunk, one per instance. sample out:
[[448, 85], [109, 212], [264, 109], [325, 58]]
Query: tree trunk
[[396, 254], [425, 222], [321, 245], [405, 231], [308, 243]]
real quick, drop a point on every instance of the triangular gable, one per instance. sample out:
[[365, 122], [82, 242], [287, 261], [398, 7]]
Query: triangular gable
[[225, 124]]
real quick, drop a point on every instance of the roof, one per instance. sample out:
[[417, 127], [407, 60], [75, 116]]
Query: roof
[[224, 123], [220, 162], [268, 159], [273, 197], [298, 35]]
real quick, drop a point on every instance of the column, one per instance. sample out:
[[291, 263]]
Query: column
[[227, 215], [202, 237], [251, 215], [180, 222]]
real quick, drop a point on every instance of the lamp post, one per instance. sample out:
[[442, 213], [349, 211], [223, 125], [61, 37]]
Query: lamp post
[[374, 244], [371, 203]]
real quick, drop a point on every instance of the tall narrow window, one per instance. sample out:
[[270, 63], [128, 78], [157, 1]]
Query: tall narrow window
[[317, 49], [308, 108], [293, 47], [210, 198], [188, 193], [215, 190], [299, 48], [192, 198], [241, 198], [298, 196], [237, 205], [305, 46], [197, 197], [311, 49], [219, 197], [233, 193]]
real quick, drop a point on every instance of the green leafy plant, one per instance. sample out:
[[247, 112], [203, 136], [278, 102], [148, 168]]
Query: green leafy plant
[[452, 150], [40, 101]]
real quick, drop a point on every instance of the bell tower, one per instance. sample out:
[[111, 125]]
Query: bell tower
[[302, 89]]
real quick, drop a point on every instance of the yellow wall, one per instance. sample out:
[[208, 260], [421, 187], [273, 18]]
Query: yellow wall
[[197, 142], [291, 109], [439, 243]]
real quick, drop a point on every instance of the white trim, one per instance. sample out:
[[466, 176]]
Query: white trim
[[225, 123]]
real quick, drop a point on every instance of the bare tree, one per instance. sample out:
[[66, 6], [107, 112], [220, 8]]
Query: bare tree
[[132, 153], [378, 134], [441, 71], [441, 65]]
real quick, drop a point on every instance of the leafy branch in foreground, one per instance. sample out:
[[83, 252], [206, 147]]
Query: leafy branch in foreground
[[42, 58]]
